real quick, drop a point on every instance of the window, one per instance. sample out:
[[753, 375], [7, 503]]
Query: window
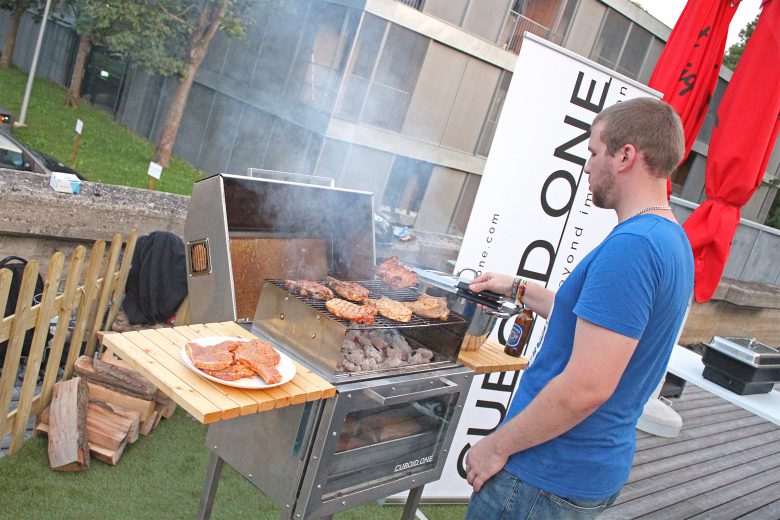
[[609, 43], [491, 121], [321, 61], [466, 203], [681, 174], [405, 189], [384, 71], [622, 45]]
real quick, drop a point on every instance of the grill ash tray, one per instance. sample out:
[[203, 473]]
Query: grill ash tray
[[743, 365]]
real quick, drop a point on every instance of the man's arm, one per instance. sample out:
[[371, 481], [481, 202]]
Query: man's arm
[[536, 297], [598, 360]]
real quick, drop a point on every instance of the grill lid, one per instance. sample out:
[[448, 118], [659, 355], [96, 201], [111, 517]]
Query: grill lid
[[747, 350]]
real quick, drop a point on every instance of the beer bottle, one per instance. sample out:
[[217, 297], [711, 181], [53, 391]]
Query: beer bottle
[[520, 333]]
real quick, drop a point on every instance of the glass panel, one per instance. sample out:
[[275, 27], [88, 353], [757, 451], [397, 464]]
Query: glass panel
[[322, 58], [565, 20], [681, 174], [491, 121], [387, 442], [634, 52], [610, 40], [466, 204], [365, 55], [405, 189], [396, 75]]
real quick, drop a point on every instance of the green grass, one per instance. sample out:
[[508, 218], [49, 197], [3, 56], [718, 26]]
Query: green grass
[[158, 477], [108, 152]]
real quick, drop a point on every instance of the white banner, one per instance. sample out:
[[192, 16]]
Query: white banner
[[533, 213]]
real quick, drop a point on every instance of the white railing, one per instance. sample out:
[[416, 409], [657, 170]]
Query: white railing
[[516, 25]]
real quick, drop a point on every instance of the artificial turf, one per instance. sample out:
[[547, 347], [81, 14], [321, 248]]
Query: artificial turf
[[158, 477]]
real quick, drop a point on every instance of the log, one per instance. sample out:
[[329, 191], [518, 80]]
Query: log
[[101, 453], [99, 392], [165, 405], [148, 425], [131, 415], [114, 377], [68, 445]]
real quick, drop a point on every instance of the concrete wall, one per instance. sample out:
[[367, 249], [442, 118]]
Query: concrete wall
[[36, 221]]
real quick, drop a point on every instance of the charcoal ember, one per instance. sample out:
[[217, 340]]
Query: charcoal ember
[[351, 367], [392, 363], [369, 364], [370, 352], [425, 354]]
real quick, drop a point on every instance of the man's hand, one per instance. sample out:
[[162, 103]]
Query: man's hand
[[484, 460], [499, 283]]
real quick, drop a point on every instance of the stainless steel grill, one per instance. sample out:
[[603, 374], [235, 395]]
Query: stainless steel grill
[[387, 429]]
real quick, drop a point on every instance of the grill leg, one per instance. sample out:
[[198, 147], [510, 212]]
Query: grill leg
[[213, 473], [412, 502]]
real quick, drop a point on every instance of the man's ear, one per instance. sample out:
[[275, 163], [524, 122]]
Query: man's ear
[[627, 156]]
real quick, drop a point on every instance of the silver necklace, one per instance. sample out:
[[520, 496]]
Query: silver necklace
[[650, 208]]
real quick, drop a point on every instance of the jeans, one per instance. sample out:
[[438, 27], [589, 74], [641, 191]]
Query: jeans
[[504, 497]]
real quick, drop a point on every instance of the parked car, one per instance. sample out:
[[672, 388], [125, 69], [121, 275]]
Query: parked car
[[6, 120], [16, 156]]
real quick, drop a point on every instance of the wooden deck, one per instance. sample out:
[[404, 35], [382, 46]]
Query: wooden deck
[[725, 464]]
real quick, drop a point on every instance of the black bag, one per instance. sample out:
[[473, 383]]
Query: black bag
[[16, 265]]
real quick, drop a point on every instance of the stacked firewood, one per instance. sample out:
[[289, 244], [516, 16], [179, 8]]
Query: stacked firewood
[[105, 406]]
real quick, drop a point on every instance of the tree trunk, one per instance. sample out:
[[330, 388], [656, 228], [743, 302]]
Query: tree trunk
[[207, 27], [6, 60], [74, 89]]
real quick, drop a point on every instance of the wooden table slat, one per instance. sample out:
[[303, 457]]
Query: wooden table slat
[[156, 354], [247, 404], [203, 410], [491, 358]]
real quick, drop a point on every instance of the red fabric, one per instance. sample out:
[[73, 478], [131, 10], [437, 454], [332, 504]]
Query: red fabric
[[741, 144], [687, 70]]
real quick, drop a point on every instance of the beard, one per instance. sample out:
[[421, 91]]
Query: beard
[[601, 194]]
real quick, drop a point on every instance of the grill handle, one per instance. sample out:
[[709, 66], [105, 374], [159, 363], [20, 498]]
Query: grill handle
[[444, 387]]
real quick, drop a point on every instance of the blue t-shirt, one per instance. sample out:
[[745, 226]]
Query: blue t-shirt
[[638, 283]]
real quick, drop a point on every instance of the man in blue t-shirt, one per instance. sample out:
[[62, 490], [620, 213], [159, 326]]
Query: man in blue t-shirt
[[566, 446]]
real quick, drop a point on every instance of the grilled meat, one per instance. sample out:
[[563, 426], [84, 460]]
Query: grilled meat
[[430, 307], [232, 373], [351, 291], [391, 309], [349, 311], [308, 289], [395, 275], [213, 357], [262, 358]]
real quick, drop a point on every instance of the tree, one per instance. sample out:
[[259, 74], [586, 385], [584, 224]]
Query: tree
[[138, 30], [17, 8], [200, 21], [734, 53]]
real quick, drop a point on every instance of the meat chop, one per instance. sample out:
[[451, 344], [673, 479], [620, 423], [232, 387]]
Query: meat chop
[[349, 311], [212, 357], [309, 289], [391, 309], [430, 307], [234, 372], [262, 358], [351, 291], [395, 275]]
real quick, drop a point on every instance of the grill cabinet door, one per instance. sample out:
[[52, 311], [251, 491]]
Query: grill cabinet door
[[378, 438]]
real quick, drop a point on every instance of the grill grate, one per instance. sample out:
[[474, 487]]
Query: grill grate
[[376, 289]]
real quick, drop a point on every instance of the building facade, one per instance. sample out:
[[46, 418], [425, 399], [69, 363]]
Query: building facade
[[400, 98]]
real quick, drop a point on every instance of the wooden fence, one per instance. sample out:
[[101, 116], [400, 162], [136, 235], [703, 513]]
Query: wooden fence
[[93, 294]]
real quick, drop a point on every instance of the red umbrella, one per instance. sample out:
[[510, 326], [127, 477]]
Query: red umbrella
[[746, 129], [687, 71]]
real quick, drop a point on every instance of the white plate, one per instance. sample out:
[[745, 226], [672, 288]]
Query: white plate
[[286, 367]]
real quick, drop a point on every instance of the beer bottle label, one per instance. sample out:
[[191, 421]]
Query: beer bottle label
[[515, 335]]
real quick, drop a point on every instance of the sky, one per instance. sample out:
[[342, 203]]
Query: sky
[[669, 10]]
